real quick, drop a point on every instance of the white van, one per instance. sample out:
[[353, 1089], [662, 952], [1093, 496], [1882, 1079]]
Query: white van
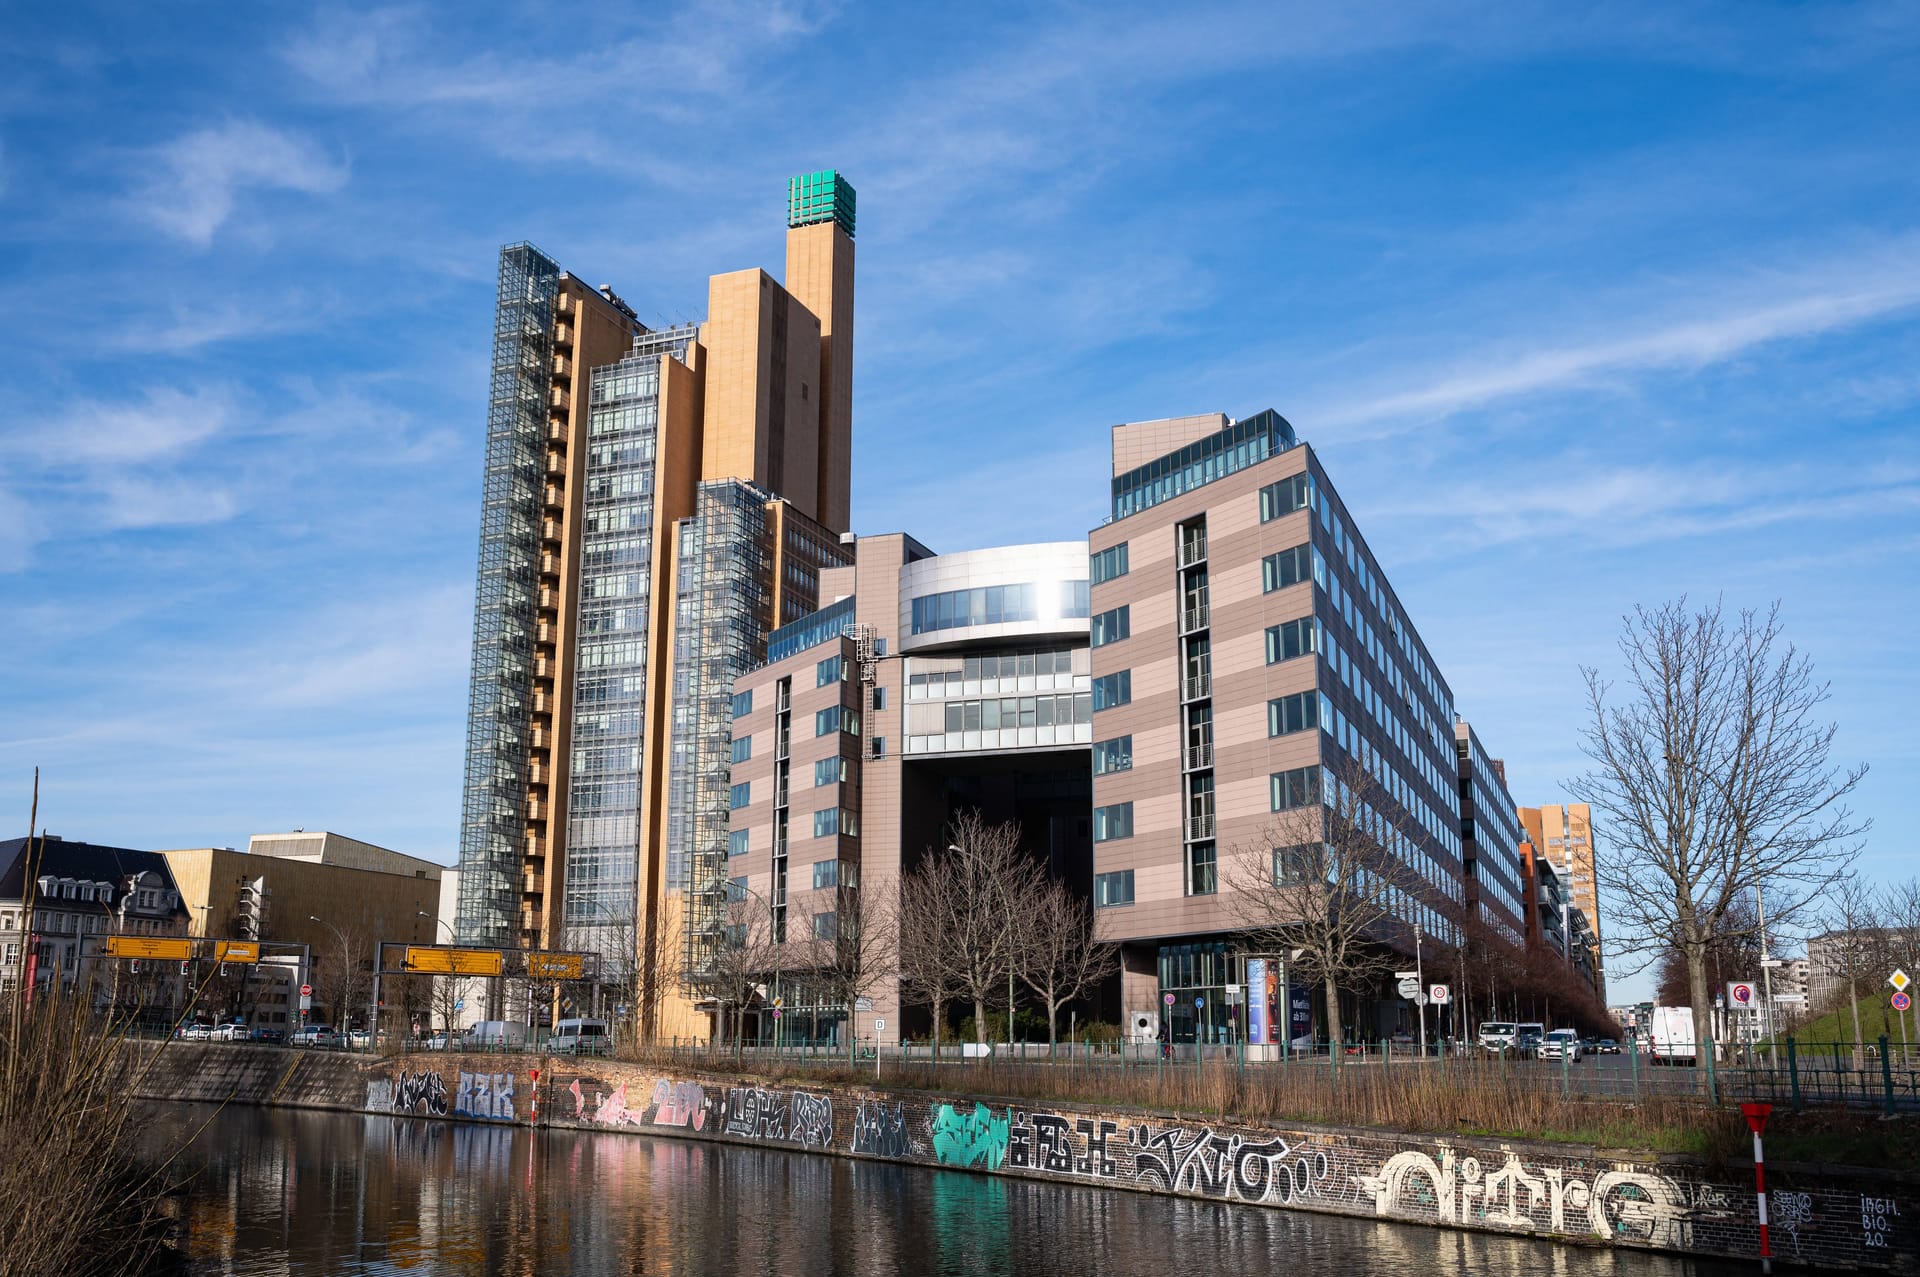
[[579, 1037], [496, 1035]]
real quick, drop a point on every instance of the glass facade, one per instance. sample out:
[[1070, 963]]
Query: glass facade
[[1493, 838], [493, 805], [604, 812], [723, 619], [821, 197], [1242, 444], [997, 700], [815, 628], [1000, 605]]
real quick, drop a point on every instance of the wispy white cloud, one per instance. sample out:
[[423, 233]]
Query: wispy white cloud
[[157, 425], [1723, 319], [188, 187]]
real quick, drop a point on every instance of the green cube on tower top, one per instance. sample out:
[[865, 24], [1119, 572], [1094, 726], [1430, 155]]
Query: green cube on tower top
[[820, 197]]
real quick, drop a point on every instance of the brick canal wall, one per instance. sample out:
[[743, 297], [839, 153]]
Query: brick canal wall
[[1820, 1216]]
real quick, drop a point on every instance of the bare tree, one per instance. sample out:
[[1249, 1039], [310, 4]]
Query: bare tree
[[851, 948], [1714, 775], [1063, 956], [1324, 884], [926, 972], [343, 972], [742, 960], [1900, 906], [1855, 944], [977, 933]]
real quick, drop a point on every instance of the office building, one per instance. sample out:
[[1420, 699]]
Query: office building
[[928, 685], [1555, 924], [1563, 834], [1490, 838], [1257, 656], [655, 503]]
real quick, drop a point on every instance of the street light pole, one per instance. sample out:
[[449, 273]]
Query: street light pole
[[1420, 978], [346, 978]]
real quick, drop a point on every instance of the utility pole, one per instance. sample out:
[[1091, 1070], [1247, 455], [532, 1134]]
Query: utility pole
[[1420, 977]]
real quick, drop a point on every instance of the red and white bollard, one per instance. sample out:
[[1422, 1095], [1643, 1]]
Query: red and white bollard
[[534, 1120], [1756, 1115]]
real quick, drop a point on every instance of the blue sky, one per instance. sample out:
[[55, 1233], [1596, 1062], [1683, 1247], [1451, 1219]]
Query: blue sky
[[1581, 307]]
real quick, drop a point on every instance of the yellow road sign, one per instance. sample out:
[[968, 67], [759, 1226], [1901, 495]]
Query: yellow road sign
[[236, 951], [1899, 980], [556, 966], [453, 961], [167, 950]]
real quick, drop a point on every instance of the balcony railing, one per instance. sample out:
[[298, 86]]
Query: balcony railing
[[1194, 618], [1199, 827], [1196, 687], [1193, 551], [1199, 757]]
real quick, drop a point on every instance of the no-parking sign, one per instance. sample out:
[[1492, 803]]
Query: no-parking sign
[[1740, 994]]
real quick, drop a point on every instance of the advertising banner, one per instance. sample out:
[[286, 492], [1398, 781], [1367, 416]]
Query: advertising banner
[[1257, 1004], [1299, 1011]]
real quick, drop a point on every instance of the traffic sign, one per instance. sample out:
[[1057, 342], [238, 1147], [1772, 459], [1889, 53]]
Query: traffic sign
[[1409, 987], [1740, 994], [1899, 980], [306, 990], [1199, 1004], [460, 1004], [1406, 975], [1789, 997], [879, 1025], [1439, 994], [1167, 998], [1901, 1001]]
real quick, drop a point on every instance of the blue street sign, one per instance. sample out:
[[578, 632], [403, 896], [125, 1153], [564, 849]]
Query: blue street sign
[[1199, 1003], [459, 1004]]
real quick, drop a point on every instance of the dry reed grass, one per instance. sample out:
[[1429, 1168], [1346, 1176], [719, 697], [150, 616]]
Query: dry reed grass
[[74, 1196]]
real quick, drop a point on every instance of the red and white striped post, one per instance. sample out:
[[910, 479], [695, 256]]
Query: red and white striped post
[[534, 1120], [1756, 1115]]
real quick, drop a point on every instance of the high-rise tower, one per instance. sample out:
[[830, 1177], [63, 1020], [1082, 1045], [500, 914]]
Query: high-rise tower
[[627, 471]]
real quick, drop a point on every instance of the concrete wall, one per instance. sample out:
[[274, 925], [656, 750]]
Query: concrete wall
[[1571, 1193]]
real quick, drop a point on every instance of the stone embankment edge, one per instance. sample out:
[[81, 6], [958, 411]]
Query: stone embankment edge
[[1821, 1216]]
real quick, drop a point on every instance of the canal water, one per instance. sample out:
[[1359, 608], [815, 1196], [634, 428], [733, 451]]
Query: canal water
[[291, 1193]]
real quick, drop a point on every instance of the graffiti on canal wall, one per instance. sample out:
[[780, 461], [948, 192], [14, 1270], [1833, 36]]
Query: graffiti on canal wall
[[488, 1096]]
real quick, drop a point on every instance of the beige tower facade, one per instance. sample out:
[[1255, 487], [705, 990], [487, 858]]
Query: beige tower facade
[[1563, 835], [640, 487]]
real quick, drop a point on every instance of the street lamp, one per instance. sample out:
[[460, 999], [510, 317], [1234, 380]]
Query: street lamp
[[345, 950], [451, 935]]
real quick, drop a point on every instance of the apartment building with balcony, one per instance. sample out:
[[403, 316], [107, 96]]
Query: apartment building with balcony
[[1247, 652], [929, 685], [1563, 834]]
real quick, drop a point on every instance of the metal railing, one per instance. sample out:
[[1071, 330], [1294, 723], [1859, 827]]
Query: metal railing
[[1196, 687], [1194, 618], [1199, 757], [1192, 551]]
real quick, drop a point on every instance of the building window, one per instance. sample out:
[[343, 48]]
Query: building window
[[1114, 888], [879, 698], [826, 926], [1109, 563], [1295, 638], [1202, 870], [740, 795], [1301, 712], [1290, 567], [836, 718], [826, 873], [743, 703], [879, 747], [1114, 755], [1113, 822], [1110, 690], [1277, 500], [1297, 788], [737, 842], [1110, 626], [737, 889], [829, 771], [826, 822], [743, 749], [831, 670]]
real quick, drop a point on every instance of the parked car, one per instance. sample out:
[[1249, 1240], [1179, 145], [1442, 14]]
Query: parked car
[[230, 1033], [1561, 1044], [496, 1035], [316, 1035], [359, 1039], [1527, 1038], [272, 1037], [434, 1042], [579, 1037], [196, 1033], [1496, 1036]]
